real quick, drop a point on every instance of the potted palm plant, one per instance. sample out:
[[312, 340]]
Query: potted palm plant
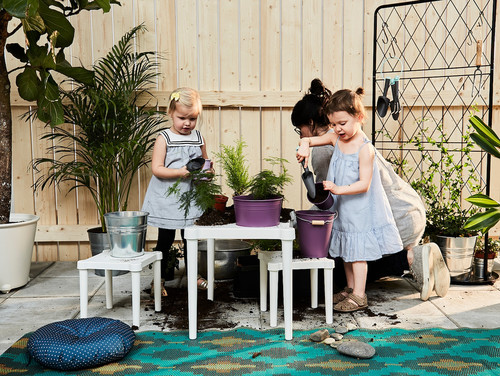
[[440, 185], [116, 128], [482, 253]]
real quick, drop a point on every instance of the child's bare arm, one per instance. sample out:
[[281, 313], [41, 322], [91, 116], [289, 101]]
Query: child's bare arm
[[366, 159]]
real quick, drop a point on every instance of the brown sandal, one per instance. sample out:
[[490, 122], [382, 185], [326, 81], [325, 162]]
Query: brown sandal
[[338, 297], [163, 290], [351, 304]]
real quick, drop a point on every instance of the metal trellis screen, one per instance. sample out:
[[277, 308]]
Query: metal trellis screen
[[438, 56]]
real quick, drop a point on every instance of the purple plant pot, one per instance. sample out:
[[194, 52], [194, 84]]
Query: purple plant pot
[[314, 231], [257, 213], [323, 199]]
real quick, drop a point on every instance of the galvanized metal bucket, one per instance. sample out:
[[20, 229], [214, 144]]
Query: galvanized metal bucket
[[127, 232], [457, 253], [226, 254], [479, 269]]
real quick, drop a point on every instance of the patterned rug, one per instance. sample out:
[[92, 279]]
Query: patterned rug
[[251, 352]]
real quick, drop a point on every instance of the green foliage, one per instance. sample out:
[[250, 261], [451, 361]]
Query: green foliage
[[267, 184], [235, 166], [114, 133], [49, 18], [202, 192], [493, 247], [487, 139], [442, 181]]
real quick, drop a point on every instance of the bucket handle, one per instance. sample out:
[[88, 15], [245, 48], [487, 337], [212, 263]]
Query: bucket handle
[[319, 222]]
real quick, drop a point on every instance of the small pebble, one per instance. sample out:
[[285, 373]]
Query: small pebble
[[341, 330], [319, 336], [328, 341], [350, 326], [337, 336], [356, 349]]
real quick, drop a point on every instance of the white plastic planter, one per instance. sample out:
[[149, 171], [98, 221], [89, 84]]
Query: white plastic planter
[[16, 247]]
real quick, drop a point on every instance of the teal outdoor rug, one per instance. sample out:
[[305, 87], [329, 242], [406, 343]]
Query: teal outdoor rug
[[251, 352]]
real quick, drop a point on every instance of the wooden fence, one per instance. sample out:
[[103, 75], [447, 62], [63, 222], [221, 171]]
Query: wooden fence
[[251, 60]]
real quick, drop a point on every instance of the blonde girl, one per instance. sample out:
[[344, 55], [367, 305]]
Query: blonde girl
[[365, 229], [173, 149]]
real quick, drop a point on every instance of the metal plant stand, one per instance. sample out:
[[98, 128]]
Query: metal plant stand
[[435, 60]]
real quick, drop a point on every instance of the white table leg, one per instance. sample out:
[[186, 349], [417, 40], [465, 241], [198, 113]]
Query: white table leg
[[136, 297], [157, 283], [329, 295], [192, 272], [84, 293], [273, 298], [287, 252], [108, 277], [314, 288], [210, 268], [263, 284]]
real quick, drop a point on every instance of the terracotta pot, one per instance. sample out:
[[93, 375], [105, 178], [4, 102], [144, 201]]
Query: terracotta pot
[[220, 203]]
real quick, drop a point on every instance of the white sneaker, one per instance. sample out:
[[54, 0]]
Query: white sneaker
[[441, 273], [422, 270]]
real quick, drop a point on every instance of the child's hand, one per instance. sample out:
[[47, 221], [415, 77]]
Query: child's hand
[[303, 153], [183, 172], [330, 186]]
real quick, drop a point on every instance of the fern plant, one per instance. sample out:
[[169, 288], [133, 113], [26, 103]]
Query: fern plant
[[235, 166], [114, 131], [267, 184], [202, 193]]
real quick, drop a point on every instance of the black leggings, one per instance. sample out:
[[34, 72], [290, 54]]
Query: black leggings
[[166, 238]]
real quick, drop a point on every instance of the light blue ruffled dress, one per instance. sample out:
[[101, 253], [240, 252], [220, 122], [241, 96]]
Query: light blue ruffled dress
[[164, 211], [365, 229]]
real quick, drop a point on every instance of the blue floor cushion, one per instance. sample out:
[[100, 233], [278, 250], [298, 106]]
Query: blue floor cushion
[[81, 343]]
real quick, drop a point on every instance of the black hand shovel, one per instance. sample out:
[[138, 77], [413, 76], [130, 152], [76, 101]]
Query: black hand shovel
[[308, 178], [383, 101]]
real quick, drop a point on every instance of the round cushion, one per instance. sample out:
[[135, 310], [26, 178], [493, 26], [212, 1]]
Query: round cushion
[[81, 343]]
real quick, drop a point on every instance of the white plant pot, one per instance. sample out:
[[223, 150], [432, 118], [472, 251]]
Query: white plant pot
[[16, 247]]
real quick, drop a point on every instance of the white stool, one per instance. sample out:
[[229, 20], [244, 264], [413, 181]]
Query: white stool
[[109, 263], [271, 261]]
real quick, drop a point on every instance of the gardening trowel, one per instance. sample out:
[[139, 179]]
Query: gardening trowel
[[308, 178]]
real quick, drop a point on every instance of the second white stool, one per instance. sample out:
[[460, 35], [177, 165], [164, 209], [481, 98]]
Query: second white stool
[[271, 261]]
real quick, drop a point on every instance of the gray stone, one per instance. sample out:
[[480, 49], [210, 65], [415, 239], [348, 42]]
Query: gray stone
[[319, 336], [356, 349], [337, 336], [328, 341], [341, 329]]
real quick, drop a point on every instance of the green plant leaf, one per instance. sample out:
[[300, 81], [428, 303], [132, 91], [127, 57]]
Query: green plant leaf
[[485, 144], [482, 201], [17, 51], [17, 8], [484, 130], [483, 221], [77, 73], [28, 84], [56, 21]]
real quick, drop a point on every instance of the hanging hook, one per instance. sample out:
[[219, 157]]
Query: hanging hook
[[391, 46], [478, 73], [384, 33], [470, 39]]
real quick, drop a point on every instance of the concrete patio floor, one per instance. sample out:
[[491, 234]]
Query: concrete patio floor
[[52, 295]]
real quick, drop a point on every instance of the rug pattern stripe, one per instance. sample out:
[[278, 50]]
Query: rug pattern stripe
[[250, 352]]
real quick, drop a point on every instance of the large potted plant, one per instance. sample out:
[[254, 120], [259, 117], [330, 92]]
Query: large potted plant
[[441, 183], [115, 131], [488, 140], [47, 32]]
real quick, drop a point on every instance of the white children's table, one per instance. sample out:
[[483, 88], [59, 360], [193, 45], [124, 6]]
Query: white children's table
[[134, 265], [284, 232]]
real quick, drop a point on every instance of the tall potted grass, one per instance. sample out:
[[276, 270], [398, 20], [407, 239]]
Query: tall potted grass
[[116, 125]]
